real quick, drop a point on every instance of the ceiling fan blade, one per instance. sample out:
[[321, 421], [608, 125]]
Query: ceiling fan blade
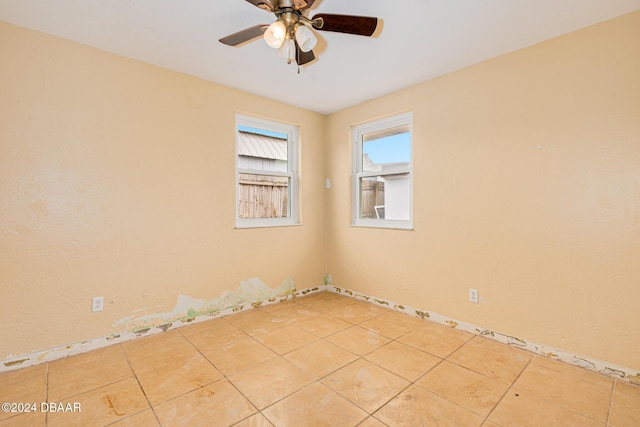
[[303, 4], [262, 4], [245, 35], [360, 25], [303, 57]]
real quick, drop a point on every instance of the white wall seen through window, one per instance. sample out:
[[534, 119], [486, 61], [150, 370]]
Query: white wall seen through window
[[382, 179]]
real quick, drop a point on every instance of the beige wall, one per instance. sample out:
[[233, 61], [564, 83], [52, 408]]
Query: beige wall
[[117, 180], [526, 187]]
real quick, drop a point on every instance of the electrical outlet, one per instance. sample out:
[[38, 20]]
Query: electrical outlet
[[473, 295], [98, 304]]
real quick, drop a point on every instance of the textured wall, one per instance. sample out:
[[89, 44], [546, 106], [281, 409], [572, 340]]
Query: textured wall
[[526, 187], [117, 180]]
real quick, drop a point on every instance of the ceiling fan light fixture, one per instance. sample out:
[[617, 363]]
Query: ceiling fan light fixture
[[288, 50], [305, 37], [275, 34]]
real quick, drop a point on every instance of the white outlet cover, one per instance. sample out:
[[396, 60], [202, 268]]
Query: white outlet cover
[[98, 304], [473, 295]]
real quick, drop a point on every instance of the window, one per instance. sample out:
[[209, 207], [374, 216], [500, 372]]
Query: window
[[382, 178], [267, 177]]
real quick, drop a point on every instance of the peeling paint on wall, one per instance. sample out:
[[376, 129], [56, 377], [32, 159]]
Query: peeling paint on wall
[[618, 372], [251, 294]]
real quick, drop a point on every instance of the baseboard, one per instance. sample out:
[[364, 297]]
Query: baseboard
[[49, 355], [595, 365]]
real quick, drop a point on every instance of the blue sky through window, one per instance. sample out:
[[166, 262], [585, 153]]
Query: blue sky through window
[[391, 149], [263, 132]]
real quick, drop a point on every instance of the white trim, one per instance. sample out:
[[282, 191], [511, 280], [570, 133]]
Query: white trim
[[358, 132]]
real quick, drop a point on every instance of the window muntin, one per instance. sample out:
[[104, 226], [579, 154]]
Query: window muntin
[[266, 173], [383, 173]]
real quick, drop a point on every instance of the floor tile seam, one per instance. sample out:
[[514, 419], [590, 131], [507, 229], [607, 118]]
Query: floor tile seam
[[258, 411], [479, 373], [366, 410], [566, 408], [449, 400], [132, 375], [396, 374], [144, 393], [613, 390], [559, 405], [507, 391], [575, 377], [275, 402]]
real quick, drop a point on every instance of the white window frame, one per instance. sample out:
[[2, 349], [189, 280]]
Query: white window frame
[[358, 132], [292, 133]]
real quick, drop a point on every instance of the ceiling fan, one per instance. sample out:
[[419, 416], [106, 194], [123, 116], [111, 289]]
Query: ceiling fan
[[291, 32]]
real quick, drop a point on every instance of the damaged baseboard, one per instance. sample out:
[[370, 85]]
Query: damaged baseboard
[[595, 365], [49, 355]]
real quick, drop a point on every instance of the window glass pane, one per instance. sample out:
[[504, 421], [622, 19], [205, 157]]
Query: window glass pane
[[262, 150], [387, 149], [385, 197], [263, 196]]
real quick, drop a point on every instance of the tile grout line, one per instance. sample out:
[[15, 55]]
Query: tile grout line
[[135, 375], [507, 391], [613, 390]]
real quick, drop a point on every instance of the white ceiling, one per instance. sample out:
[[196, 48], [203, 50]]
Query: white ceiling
[[419, 39]]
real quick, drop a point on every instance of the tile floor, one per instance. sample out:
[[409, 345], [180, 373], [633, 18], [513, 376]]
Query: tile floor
[[320, 360]]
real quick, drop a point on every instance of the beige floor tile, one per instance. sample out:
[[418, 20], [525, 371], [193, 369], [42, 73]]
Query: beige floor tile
[[365, 384], [257, 321], [77, 374], [371, 422], [215, 329], [19, 375], [32, 389], [403, 360], [30, 419], [270, 381], [585, 392], [315, 405], [172, 380], [323, 325], [418, 407], [143, 419], [218, 403], [526, 409], [357, 313], [296, 313], [320, 358], [436, 339], [491, 358], [157, 351], [257, 420], [103, 406], [625, 405], [575, 372], [238, 354], [358, 340], [286, 339], [206, 342], [466, 388], [392, 324]]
